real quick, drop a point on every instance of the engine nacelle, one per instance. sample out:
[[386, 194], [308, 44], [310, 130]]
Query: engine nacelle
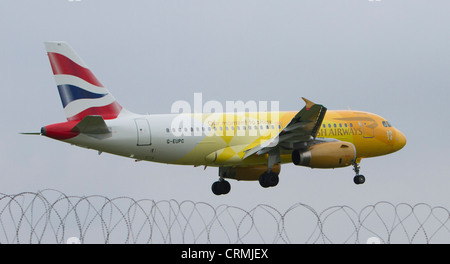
[[326, 155], [250, 173]]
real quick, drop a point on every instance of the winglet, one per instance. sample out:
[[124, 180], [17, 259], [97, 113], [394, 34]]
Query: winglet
[[308, 103]]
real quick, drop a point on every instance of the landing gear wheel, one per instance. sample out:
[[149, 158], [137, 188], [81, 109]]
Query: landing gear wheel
[[225, 187], [215, 188], [273, 179], [359, 179], [269, 179], [262, 180], [221, 187]]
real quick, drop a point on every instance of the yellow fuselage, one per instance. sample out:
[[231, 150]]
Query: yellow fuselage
[[229, 135]]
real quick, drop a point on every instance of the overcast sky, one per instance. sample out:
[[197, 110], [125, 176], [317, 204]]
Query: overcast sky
[[390, 57]]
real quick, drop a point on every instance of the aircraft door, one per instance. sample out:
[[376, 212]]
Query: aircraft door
[[143, 132]]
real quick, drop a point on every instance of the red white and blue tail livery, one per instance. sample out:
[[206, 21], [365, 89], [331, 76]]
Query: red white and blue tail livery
[[253, 148], [82, 94]]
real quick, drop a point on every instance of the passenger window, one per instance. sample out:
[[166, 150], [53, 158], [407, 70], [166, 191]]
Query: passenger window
[[340, 125]]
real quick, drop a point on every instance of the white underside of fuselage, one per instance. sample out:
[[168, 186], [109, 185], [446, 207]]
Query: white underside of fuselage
[[156, 144]]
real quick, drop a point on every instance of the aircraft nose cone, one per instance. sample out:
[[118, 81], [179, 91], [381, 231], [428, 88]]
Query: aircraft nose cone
[[401, 140]]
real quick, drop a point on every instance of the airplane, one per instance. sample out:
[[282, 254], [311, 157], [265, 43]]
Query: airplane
[[252, 149]]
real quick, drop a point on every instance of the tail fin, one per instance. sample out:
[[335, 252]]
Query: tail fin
[[80, 91]]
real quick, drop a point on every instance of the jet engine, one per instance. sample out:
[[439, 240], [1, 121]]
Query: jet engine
[[326, 155]]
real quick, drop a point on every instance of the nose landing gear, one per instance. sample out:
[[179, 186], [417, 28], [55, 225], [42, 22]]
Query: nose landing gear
[[358, 179]]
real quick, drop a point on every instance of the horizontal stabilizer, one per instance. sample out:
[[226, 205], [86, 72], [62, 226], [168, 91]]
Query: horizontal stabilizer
[[92, 124]]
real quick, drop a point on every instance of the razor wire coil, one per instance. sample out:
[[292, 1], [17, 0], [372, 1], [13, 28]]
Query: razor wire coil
[[51, 216]]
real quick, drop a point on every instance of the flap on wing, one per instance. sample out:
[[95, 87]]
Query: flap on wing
[[262, 148], [93, 124], [302, 127]]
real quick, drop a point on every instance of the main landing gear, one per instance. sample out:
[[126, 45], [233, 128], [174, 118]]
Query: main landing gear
[[266, 180], [221, 187], [358, 179], [266, 177], [269, 179]]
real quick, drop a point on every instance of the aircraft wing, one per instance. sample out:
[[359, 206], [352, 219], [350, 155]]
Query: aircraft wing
[[303, 127]]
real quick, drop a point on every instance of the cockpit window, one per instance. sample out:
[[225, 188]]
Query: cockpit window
[[386, 124]]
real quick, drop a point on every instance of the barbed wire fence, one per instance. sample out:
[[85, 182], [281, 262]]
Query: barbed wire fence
[[50, 216]]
